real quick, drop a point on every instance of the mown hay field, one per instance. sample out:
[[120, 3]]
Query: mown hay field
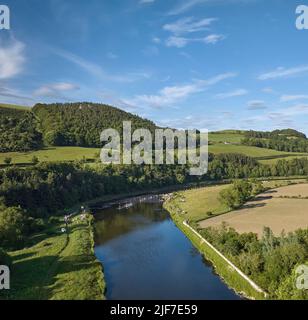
[[283, 209]]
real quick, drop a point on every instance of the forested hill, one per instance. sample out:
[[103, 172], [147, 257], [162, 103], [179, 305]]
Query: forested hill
[[282, 140], [18, 129], [80, 124]]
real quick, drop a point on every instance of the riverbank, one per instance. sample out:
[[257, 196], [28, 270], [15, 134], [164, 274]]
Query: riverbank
[[229, 276], [58, 266]]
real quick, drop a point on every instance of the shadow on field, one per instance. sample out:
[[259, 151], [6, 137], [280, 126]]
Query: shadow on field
[[253, 205], [35, 278], [262, 198], [270, 192]]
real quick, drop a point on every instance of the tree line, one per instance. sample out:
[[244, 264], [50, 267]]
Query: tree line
[[287, 140], [270, 261]]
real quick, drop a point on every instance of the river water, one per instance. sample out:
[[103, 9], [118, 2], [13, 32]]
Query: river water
[[145, 256]]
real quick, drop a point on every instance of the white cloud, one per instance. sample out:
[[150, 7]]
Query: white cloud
[[181, 42], [11, 59], [235, 93], [171, 95], [213, 38], [178, 42], [146, 1], [256, 105], [55, 90], [188, 25], [185, 5], [287, 98], [283, 73]]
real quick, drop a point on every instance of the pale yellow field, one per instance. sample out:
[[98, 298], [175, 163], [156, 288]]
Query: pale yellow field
[[269, 210]]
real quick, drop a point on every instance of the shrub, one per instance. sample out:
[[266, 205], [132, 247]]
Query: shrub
[[5, 259], [7, 160], [12, 226]]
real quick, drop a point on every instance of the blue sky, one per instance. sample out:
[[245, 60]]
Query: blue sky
[[206, 64]]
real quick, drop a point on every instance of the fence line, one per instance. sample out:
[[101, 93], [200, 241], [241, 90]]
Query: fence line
[[241, 273]]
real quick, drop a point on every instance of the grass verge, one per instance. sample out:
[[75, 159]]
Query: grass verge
[[57, 266]]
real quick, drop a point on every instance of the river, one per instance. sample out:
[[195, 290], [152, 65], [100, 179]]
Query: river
[[145, 256]]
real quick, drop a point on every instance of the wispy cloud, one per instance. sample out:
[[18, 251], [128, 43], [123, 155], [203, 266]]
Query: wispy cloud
[[268, 90], [235, 93], [283, 72], [287, 98], [171, 95], [156, 40], [55, 90], [97, 71], [13, 94], [146, 1], [12, 59], [181, 42], [256, 105], [213, 38], [183, 6], [189, 25]]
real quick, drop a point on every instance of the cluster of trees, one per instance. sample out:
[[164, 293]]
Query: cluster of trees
[[18, 130], [240, 192], [286, 133], [288, 140], [80, 124], [269, 261], [237, 166], [47, 187]]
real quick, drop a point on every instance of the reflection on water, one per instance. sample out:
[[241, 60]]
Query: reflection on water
[[145, 256]]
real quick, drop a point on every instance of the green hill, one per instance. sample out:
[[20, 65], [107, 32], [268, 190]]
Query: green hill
[[71, 131], [80, 124]]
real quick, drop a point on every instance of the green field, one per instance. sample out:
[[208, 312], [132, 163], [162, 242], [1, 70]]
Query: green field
[[51, 154], [225, 136], [14, 106], [207, 202], [254, 152], [57, 268]]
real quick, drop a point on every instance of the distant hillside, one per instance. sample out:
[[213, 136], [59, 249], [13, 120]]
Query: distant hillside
[[284, 133], [14, 106], [80, 124], [18, 129], [288, 140]]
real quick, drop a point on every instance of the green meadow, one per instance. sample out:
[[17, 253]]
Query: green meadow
[[56, 267]]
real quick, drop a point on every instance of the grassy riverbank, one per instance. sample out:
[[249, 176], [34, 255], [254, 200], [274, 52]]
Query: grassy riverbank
[[58, 267], [230, 276]]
